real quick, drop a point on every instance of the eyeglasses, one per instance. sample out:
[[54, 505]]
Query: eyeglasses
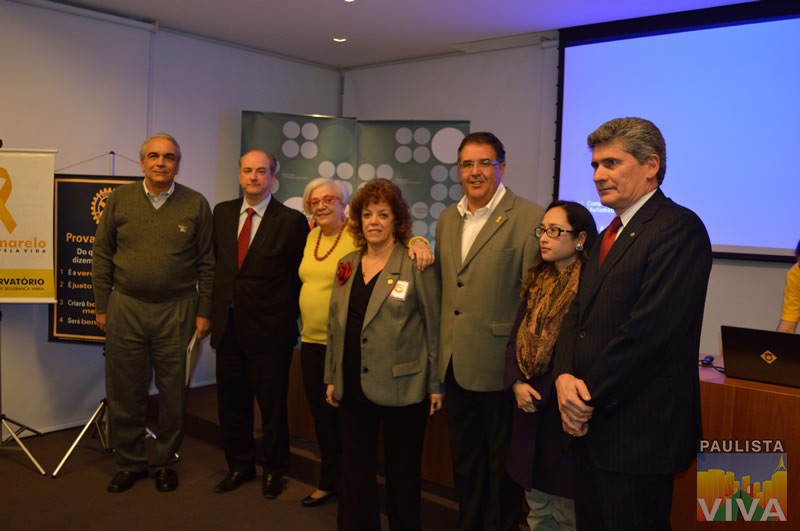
[[328, 200], [552, 232], [483, 164]]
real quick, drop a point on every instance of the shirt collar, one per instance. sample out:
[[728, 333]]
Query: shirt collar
[[463, 208], [631, 211], [260, 207], [164, 194]]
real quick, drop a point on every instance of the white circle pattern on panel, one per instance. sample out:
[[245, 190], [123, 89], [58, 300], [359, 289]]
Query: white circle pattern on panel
[[344, 170], [402, 154], [309, 150], [385, 171], [422, 154], [438, 192], [366, 172], [403, 135], [310, 131], [422, 135], [445, 144], [290, 149], [326, 169], [291, 129]]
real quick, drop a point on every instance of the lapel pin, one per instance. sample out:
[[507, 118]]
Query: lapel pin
[[390, 281], [499, 219], [633, 234]]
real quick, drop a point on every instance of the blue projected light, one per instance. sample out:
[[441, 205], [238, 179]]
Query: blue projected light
[[727, 100]]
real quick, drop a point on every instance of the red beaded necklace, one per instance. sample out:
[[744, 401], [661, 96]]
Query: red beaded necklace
[[335, 243]]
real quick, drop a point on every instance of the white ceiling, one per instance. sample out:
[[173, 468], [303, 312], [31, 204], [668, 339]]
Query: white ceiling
[[379, 31]]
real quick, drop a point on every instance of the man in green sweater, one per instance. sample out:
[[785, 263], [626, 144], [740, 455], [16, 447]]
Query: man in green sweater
[[152, 271]]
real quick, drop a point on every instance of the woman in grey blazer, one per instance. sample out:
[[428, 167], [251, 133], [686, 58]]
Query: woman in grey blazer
[[381, 359]]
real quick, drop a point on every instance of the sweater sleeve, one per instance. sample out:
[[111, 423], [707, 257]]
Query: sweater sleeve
[[105, 243], [205, 261]]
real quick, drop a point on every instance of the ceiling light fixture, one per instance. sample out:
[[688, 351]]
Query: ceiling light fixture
[[339, 39]]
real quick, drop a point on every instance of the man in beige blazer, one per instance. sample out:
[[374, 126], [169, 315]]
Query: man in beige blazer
[[484, 247]]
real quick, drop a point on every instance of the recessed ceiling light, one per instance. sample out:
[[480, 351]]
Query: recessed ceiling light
[[349, 1], [339, 39]]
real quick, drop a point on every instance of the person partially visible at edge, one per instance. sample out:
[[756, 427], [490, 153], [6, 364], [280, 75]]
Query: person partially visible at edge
[[325, 201], [485, 245], [380, 364], [790, 312], [152, 272], [538, 460], [626, 360]]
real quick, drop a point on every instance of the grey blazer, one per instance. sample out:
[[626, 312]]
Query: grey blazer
[[480, 296], [399, 338]]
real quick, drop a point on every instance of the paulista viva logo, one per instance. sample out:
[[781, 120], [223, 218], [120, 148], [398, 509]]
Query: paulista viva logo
[[742, 480]]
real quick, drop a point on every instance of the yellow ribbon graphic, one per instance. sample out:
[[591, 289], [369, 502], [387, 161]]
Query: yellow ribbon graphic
[[5, 191]]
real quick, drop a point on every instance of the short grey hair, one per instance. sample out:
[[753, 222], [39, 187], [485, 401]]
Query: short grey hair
[[165, 136], [641, 138], [339, 186]]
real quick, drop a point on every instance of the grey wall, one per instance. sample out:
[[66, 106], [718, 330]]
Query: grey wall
[[86, 87], [510, 92]]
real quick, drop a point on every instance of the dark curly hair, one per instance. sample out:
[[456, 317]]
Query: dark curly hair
[[376, 191]]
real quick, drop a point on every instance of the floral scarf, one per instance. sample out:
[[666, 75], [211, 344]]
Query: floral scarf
[[549, 298]]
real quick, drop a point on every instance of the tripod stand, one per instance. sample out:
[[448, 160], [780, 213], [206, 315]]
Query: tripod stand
[[98, 419], [7, 423]]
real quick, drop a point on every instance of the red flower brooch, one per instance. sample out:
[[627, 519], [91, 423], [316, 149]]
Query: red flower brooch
[[343, 272]]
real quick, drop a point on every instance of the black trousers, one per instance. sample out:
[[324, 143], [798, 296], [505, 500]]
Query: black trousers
[[480, 435], [241, 376], [326, 418], [403, 434], [614, 501]]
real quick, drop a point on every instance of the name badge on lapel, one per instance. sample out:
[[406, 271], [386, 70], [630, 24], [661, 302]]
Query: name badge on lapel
[[399, 291]]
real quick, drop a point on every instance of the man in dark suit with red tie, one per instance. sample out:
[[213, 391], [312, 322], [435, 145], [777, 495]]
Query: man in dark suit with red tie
[[626, 359], [258, 244]]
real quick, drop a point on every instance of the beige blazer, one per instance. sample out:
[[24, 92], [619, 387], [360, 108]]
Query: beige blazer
[[480, 296], [400, 335]]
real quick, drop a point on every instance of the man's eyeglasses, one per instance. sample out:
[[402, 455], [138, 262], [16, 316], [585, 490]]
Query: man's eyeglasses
[[328, 200], [552, 232], [483, 164]]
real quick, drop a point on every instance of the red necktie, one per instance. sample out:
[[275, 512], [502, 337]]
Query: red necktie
[[609, 238], [244, 237]]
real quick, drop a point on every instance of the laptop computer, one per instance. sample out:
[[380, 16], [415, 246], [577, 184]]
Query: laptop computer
[[761, 355]]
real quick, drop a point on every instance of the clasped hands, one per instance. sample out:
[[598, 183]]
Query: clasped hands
[[573, 396], [525, 395]]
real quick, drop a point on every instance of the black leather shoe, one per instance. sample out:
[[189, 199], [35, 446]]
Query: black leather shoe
[[234, 480], [166, 480], [272, 485], [309, 501], [124, 479]]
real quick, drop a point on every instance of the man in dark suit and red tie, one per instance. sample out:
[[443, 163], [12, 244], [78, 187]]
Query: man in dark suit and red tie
[[258, 243], [626, 359]]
